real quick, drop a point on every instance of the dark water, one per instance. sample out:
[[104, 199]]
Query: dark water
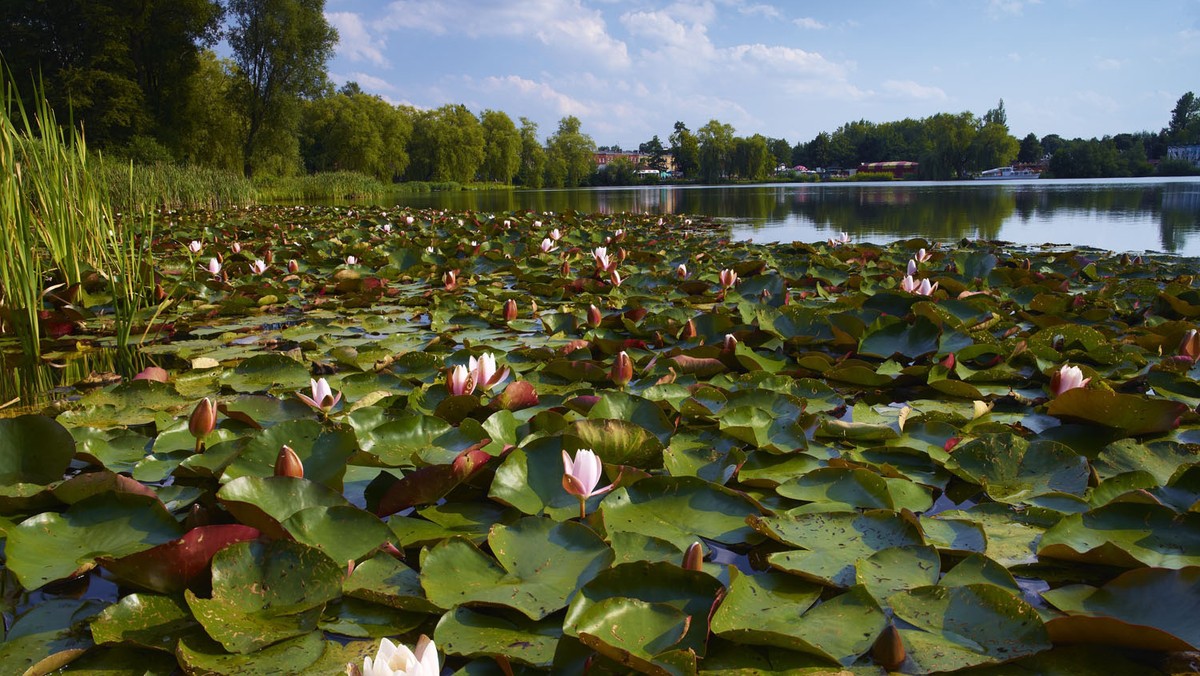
[[1113, 214]]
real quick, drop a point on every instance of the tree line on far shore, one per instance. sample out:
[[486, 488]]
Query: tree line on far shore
[[144, 81]]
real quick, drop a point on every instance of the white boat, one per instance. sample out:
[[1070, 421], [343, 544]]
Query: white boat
[[1004, 173]]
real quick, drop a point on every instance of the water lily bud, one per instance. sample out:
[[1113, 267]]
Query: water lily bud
[[450, 280], [1190, 345], [681, 271], [593, 316], [888, 650], [728, 278], [621, 253], [269, 257], [533, 307], [293, 266], [730, 343], [622, 369], [287, 463], [693, 558], [1067, 378], [510, 310], [236, 247], [203, 420], [614, 277], [565, 270], [689, 331], [949, 362]]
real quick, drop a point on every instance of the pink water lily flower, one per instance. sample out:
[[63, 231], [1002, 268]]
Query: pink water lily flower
[[323, 397], [681, 271], [912, 267], [547, 245], [398, 660], [408, 220], [258, 267], [460, 381], [581, 475], [485, 372], [213, 268], [600, 255], [1067, 378], [838, 241], [195, 246], [922, 288], [922, 256], [236, 247], [728, 278], [351, 260], [555, 235]]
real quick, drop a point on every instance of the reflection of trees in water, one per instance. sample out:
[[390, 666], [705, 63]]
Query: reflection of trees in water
[[1180, 214], [892, 210]]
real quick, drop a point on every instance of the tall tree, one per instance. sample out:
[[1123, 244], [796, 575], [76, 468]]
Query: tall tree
[[996, 115], [447, 145], [1031, 149], [210, 135], [355, 132], [569, 154], [716, 148], [1184, 127], [280, 48], [685, 149], [656, 151], [501, 147], [781, 152], [533, 156]]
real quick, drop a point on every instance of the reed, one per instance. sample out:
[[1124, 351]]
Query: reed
[[333, 185], [173, 186], [21, 265]]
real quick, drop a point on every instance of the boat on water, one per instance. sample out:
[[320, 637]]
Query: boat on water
[[1005, 173]]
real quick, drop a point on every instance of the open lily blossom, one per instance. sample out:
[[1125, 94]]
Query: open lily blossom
[[921, 288], [213, 268], [922, 256], [681, 272], [323, 397], [351, 260], [460, 380], [485, 372], [450, 280], [258, 267], [555, 235], [581, 475], [195, 246], [547, 245], [408, 220], [728, 278], [386, 228], [600, 255], [397, 660], [838, 241], [1067, 378]]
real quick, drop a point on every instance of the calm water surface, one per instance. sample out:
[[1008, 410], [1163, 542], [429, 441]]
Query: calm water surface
[[1113, 214]]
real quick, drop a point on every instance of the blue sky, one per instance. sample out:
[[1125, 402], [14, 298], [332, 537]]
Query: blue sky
[[629, 70]]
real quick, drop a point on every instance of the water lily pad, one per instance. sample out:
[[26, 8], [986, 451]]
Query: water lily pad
[[530, 479], [538, 567], [679, 509], [1131, 414], [896, 569], [384, 580], [859, 488], [632, 632], [618, 442], [150, 620], [1126, 534], [173, 566], [1143, 609], [264, 593], [959, 627], [890, 336], [55, 627], [764, 609], [37, 450], [323, 453], [51, 546], [264, 372], [469, 633], [344, 532], [1013, 470], [832, 543], [266, 502], [296, 656]]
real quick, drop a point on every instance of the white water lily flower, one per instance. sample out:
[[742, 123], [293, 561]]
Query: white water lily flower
[[398, 660], [195, 246], [258, 267]]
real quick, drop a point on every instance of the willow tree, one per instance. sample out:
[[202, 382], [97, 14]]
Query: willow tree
[[280, 48]]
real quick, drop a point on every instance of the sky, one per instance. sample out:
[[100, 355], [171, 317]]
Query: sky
[[630, 70]]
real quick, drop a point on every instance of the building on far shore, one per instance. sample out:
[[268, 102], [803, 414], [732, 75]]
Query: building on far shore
[[897, 168], [1188, 153]]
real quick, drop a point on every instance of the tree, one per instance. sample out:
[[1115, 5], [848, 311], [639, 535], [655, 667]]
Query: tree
[[280, 48], [996, 115], [531, 172], [120, 67], [657, 152], [716, 149], [210, 133], [355, 132], [569, 155], [685, 148], [950, 153], [751, 158], [1031, 149], [992, 146], [501, 147], [447, 145], [1184, 127], [781, 151]]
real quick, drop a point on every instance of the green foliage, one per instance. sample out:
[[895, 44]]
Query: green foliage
[[531, 172], [279, 48], [716, 150], [355, 133], [685, 148], [447, 145], [569, 155], [501, 147]]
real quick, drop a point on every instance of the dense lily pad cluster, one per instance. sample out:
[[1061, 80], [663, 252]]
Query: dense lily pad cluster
[[990, 466]]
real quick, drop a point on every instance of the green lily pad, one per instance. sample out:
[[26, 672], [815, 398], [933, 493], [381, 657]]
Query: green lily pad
[[679, 509], [299, 655], [959, 627], [266, 502], [55, 627], [51, 546], [1126, 534], [384, 580], [619, 442], [264, 372], [538, 567], [859, 488], [530, 480], [344, 532], [890, 336], [1131, 414], [632, 632], [37, 450], [264, 593], [1013, 470], [323, 453], [897, 569], [469, 633], [149, 620], [1143, 609]]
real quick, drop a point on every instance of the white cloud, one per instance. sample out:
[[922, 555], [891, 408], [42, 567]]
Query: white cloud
[[563, 24], [354, 40], [914, 90], [1108, 64], [1000, 8], [767, 11], [562, 103], [809, 23]]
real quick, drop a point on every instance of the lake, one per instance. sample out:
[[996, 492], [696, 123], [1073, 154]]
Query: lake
[[1155, 214]]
